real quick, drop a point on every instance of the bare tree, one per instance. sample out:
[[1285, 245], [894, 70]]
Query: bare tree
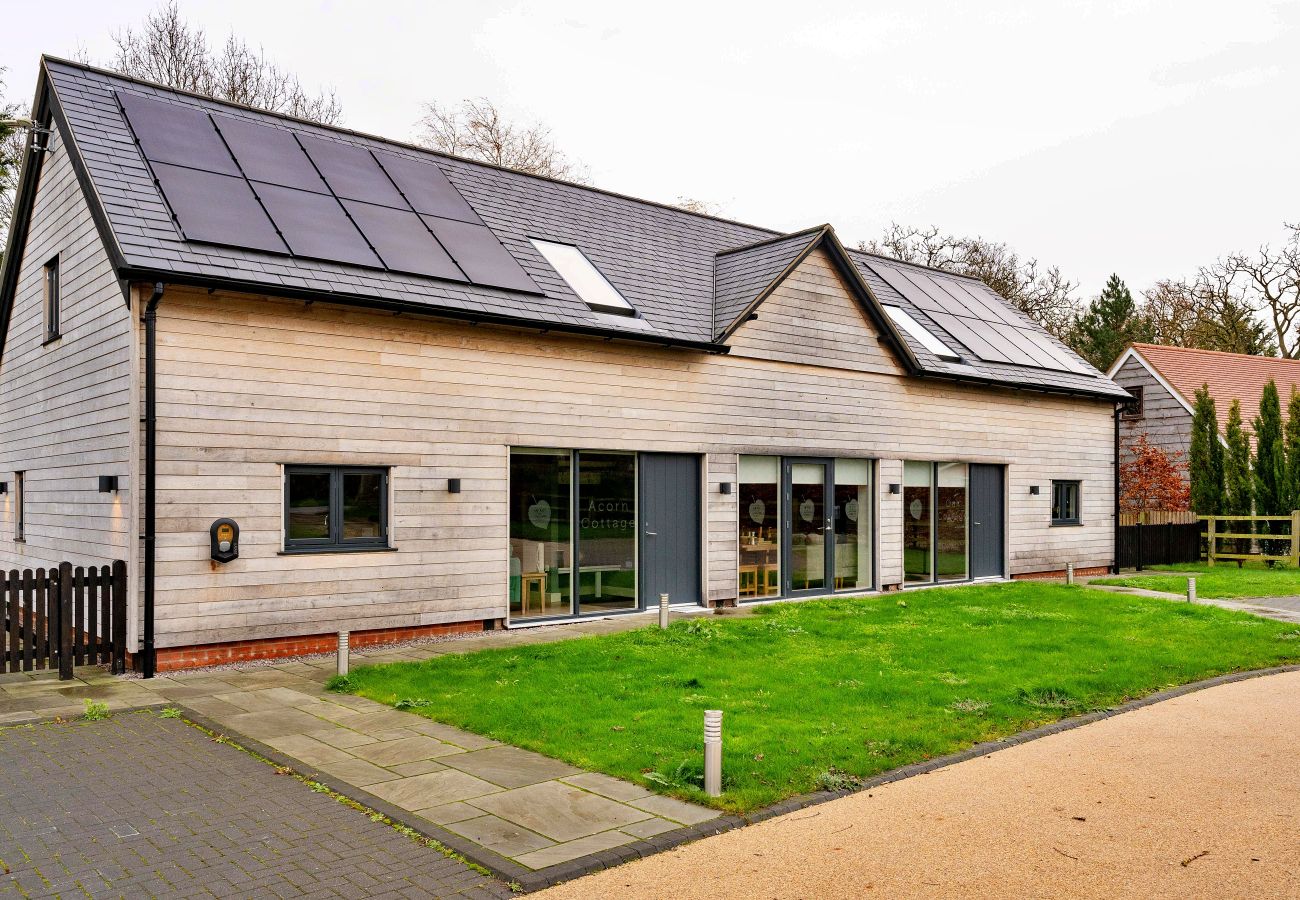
[[1042, 293], [703, 207], [171, 51], [1270, 281], [1208, 312], [13, 143], [476, 129]]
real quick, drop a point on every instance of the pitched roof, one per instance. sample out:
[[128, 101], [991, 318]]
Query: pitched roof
[[682, 272], [1230, 376]]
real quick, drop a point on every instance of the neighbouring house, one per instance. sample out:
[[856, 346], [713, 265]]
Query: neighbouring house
[[305, 380], [1164, 381]]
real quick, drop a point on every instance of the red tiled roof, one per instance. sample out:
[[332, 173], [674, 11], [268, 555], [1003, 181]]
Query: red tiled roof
[[1230, 376]]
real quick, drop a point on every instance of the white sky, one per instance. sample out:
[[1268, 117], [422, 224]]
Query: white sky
[[1143, 137]]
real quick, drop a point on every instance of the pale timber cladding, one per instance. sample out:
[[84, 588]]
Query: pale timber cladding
[[1164, 420], [247, 384], [66, 415]]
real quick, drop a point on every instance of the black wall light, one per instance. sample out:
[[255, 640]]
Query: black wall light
[[724, 487], [4, 487], [893, 487], [453, 485], [1033, 489], [108, 484]]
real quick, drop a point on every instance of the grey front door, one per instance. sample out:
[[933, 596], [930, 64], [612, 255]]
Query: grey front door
[[670, 527], [987, 521]]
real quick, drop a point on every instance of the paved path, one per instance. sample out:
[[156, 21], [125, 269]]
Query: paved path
[[515, 811], [140, 806], [1194, 797], [1284, 609]]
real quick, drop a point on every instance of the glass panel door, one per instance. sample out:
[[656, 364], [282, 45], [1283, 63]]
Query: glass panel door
[[950, 522], [918, 523], [758, 573], [853, 526], [808, 526], [607, 531], [540, 538]]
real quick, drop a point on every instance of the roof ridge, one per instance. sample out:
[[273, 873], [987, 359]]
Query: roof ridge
[[916, 265], [1170, 347], [815, 229], [405, 145]]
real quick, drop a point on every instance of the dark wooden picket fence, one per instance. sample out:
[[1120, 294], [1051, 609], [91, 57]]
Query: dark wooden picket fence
[[63, 617], [1158, 545]]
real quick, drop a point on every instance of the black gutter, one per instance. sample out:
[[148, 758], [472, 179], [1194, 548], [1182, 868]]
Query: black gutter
[[437, 312], [150, 536], [1114, 566]]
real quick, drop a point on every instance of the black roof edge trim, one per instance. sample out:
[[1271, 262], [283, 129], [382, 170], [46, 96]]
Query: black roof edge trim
[[403, 145], [984, 381], [435, 312], [24, 200]]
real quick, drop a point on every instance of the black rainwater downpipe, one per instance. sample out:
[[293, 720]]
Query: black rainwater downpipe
[[150, 472], [1119, 409]]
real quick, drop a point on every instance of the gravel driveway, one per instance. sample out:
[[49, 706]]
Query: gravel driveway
[[1193, 797]]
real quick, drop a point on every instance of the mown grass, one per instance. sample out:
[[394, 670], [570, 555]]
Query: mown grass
[[1223, 581], [824, 693]]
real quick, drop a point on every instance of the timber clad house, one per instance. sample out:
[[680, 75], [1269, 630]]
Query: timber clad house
[[1164, 381], [304, 380]]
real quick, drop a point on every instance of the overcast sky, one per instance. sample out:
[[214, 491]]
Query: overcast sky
[[1144, 138]]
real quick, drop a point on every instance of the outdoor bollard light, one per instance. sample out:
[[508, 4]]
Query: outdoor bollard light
[[1069, 573], [1191, 590], [343, 653], [663, 610], [713, 752]]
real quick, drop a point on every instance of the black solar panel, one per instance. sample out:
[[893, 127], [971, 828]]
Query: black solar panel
[[270, 154], [403, 241], [315, 225], [974, 315], [180, 135], [427, 188], [352, 172], [480, 255], [219, 209]]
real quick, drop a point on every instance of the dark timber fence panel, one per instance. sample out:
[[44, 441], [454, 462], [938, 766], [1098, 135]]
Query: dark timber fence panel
[[64, 617], [1158, 545]]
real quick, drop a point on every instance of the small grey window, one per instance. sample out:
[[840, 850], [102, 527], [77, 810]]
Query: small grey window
[[1132, 409], [20, 506], [333, 508], [1065, 503], [52, 300]]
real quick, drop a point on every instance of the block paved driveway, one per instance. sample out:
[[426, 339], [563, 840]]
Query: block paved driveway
[[141, 806]]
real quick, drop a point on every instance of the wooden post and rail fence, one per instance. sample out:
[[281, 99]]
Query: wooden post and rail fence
[[1218, 528], [62, 617]]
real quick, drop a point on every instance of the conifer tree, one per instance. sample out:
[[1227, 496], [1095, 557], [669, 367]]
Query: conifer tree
[[1292, 451], [1111, 322], [1270, 461], [1205, 457], [1239, 484]]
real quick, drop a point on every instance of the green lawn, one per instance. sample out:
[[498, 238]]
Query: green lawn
[[1221, 582], [816, 694]]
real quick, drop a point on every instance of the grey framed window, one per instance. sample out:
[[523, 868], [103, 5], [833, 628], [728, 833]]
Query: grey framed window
[[53, 309], [20, 506], [330, 509], [1133, 409], [1065, 503]]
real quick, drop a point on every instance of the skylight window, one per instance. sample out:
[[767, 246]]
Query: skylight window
[[585, 279], [923, 335]]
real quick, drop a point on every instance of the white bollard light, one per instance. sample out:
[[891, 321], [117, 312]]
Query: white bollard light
[[343, 653], [713, 752], [1069, 573], [663, 610], [1191, 590]]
